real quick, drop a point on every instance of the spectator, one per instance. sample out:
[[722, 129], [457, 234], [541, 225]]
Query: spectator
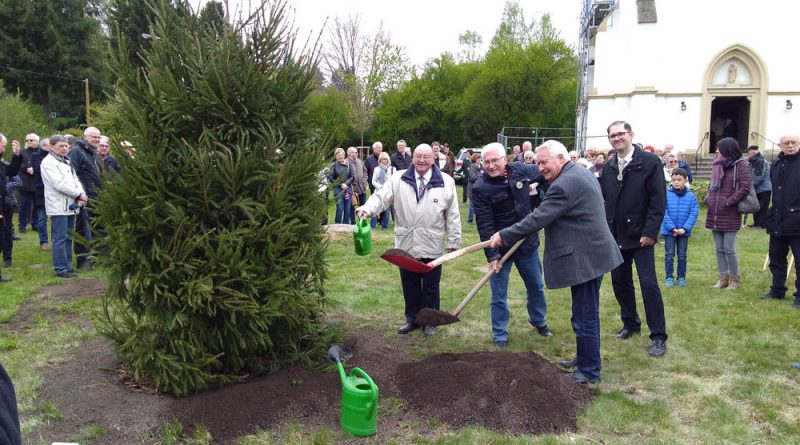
[[501, 200], [358, 188], [426, 206], [670, 164], [683, 164], [371, 162], [383, 172], [437, 154], [12, 183], [401, 160], [339, 175], [635, 197], [32, 191], [576, 254], [527, 147], [599, 161], [760, 175], [782, 223], [86, 162], [723, 218], [464, 171], [475, 172], [516, 152], [64, 196], [109, 162], [679, 219], [6, 171], [574, 156]]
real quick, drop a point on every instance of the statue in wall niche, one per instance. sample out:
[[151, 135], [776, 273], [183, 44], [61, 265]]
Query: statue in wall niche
[[731, 73]]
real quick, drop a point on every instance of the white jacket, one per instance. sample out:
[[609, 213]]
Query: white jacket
[[61, 186], [420, 227]]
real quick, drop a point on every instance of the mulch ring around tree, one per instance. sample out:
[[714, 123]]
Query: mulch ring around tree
[[515, 393]]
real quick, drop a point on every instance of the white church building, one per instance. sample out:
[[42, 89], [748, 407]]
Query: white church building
[[688, 72]]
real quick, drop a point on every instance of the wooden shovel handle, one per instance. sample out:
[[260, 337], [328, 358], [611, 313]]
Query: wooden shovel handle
[[460, 252], [486, 277]]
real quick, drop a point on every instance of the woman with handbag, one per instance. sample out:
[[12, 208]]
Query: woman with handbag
[[730, 184]]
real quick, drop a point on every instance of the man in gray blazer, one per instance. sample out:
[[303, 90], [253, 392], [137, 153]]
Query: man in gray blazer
[[578, 250]]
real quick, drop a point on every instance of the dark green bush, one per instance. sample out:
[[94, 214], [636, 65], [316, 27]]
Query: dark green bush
[[214, 249]]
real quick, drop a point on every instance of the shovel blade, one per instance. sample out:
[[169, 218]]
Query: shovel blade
[[434, 317], [405, 261]]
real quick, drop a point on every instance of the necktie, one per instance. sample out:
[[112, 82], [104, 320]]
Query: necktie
[[622, 164], [421, 188]]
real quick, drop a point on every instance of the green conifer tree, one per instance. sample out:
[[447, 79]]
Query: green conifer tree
[[214, 249]]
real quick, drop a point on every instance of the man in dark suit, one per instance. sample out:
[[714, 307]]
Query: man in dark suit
[[635, 199], [577, 252]]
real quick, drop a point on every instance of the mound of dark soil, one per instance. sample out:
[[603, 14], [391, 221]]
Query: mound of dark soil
[[502, 391]]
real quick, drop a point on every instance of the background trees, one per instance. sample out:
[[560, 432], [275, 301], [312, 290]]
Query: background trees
[[214, 250]]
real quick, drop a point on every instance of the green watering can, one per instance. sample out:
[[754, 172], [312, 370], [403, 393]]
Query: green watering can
[[359, 398], [362, 237]]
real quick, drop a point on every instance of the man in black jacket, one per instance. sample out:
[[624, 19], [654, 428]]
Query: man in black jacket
[[6, 171], [87, 165], [635, 199], [31, 196], [401, 160], [501, 198], [783, 218]]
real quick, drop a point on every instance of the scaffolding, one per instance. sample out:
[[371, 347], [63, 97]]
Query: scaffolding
[[511, 136], [592, 15]]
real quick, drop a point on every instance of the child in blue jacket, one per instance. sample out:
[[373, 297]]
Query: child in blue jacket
[[676, 228]]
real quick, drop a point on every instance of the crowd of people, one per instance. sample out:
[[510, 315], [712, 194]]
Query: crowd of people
[[618, 202], [54, 180]]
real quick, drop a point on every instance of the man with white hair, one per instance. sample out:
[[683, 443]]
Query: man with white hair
[[87, 164], [31, 196], [501, 198], [7, 171], [426, 209], [371, 163], [577, 252]]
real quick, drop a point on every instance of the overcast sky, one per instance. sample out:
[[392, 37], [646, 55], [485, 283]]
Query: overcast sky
[[426, 28]]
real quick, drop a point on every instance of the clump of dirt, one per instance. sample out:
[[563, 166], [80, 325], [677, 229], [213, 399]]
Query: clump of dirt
[[502, 391]]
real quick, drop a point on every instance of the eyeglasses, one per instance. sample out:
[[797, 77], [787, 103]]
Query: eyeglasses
[[618, 135], [672, 162], [492, 161], [31, 140]]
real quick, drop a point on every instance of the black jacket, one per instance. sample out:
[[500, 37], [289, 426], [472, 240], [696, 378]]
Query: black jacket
[[9, 417], [7, 171], [503, 201], [370, 163], [32, 158], [401, 162], [634, 206], [783, 218], [87, 165]]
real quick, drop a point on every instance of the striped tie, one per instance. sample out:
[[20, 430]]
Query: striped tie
[[421, 188]]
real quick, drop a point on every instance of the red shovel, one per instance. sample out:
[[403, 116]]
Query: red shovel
[[405, 261]]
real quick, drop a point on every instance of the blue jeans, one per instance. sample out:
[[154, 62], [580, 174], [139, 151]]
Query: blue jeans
[[530, 269], [384, 217], [342, 208], [40, 222], [471, 212], [586, 325], [60, 226], [670, 244]]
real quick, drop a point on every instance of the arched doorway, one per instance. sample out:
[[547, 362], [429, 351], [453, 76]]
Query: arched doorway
[[733, 97]]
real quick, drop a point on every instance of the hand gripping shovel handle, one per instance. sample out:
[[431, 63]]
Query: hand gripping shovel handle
[[457, 253], [486, 277]]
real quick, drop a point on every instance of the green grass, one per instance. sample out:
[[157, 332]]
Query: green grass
[[725, 378]]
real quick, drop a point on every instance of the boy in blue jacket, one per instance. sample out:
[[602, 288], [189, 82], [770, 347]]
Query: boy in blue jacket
[[676, 228]]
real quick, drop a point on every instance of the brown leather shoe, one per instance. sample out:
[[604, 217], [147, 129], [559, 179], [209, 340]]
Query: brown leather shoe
[[44, 247]]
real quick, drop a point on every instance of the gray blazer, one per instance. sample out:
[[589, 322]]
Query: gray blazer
[[578, 244]]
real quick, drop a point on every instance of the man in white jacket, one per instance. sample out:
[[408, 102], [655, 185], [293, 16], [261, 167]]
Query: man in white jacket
[[426, 207], [63, 196]]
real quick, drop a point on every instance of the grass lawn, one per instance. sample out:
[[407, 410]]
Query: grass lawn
[[725, 378]]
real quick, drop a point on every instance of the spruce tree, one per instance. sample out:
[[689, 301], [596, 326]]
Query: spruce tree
[[213, 247]]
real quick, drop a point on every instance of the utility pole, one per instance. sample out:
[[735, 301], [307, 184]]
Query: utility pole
[[86, 95]]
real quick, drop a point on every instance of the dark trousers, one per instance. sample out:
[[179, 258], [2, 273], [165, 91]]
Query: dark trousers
[[83, 228], [7, 243], [420, 290], [464, 185], [586, 325], [27, 201], [622, 282], [760, 217], [778, 250]]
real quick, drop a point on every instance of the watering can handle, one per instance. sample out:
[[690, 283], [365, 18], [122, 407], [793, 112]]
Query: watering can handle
[[370, 406]]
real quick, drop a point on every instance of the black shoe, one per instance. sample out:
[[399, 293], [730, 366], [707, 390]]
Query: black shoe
[[406, 328], [769, 295], [501, 344], [16, 238], [429, 331], [66, 274], [626, 333], [568, 363], [22, 230], [4, 280], [657, 348], [6, 263], [581, 378], [796, 304], [544, 331]]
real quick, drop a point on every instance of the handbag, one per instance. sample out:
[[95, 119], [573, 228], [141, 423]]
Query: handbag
[[750, 202]]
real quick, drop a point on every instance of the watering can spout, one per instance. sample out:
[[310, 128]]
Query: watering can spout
[[335, 355]]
